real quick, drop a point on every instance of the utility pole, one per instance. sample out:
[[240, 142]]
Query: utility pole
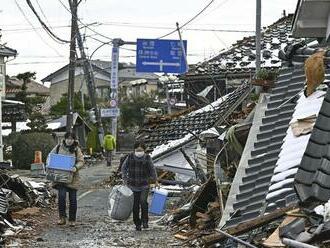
[[258, 40], [169, 109], [69, 119], [89, 77], [182, 46]]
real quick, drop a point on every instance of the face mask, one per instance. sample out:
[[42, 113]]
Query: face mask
[[69, 142], [139, 154]]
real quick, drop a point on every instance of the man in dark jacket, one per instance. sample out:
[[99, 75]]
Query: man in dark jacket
[[137, 170]]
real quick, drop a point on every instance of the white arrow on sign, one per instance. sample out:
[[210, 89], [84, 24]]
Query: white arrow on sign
[[161, 64]]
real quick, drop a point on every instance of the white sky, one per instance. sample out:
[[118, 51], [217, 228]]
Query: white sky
[[127, 19]]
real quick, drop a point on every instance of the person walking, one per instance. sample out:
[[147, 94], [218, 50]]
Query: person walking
[[109, 144], [69, 146], [137, 171]]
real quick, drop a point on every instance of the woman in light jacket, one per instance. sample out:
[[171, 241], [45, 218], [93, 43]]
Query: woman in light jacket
[[69, 146]]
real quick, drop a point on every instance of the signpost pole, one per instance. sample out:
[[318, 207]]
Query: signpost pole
[[114, 83]]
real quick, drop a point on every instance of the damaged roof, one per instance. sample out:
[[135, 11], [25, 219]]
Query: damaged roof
[[240, 58], [312, 179], [170, 134], [268, 181]]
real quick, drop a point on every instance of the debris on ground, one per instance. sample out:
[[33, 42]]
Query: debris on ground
[[23, 203]]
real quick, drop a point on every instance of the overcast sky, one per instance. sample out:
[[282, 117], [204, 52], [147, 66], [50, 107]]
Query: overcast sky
[[127, 19]]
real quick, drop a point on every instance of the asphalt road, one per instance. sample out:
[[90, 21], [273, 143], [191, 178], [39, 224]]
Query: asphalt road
[[94, 228]]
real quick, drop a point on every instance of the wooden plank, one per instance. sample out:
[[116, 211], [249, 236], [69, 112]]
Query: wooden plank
[[274, 239], [181, 237], [246, 226]]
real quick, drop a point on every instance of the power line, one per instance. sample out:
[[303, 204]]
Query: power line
[[138, 26], [35, 62], [50, 32], [109, 43], [40, 36], [42, 12], [189, 21], [96, 32], [31, 29], [190, 29]]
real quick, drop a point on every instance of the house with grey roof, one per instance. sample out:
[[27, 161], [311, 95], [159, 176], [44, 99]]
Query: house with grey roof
[[227, 70], [102, 74], [281, 167]]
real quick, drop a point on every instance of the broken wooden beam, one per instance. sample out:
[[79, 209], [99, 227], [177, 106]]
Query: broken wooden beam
[[245, 226], [198, 171]]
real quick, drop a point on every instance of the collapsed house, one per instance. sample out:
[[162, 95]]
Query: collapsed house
[[174, 141]]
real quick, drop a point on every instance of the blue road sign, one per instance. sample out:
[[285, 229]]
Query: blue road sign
[[154, 55]]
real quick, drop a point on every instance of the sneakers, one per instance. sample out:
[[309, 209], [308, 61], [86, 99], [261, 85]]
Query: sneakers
[[72, 223], [138, 228], [62, 221]]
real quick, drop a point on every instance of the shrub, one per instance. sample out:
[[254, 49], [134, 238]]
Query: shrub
[[93, 140], [26, 144], [265, 74]]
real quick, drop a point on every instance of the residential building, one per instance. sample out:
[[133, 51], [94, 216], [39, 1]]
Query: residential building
[[102, 75], [139, 87], [231, 66]]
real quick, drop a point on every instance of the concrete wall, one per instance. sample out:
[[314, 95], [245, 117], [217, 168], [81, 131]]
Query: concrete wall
[[61, 87]]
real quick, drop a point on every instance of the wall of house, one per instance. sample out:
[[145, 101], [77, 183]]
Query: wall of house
[[61, 87], [59, 84]]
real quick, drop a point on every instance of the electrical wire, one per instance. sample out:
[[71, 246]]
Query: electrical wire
[[35, 62], [186, 29], [48, 30], [32, 29], [139, 26], [30, 23], [42, 12], [189, 21], [96, 32]]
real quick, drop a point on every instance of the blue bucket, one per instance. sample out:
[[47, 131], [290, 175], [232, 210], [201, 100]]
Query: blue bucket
[[158, 202]]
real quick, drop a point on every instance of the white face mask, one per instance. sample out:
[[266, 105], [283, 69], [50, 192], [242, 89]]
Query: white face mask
[[69, 142], [139, 154]]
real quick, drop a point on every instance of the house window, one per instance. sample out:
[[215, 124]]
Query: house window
[[2, 69]]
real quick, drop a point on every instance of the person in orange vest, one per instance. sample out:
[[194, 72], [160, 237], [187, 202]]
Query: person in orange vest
[[109, 145]]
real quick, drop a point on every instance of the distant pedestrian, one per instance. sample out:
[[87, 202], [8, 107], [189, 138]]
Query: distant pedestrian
[[69, 146], [137, 172], [109, 145]]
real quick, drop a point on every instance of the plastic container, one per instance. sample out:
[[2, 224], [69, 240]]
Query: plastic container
[[158, 201], [61, 162], [59, 176]]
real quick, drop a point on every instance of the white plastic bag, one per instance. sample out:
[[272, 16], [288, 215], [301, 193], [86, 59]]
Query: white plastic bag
[[120, 202]]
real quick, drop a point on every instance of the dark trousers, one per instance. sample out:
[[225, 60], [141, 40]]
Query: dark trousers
[[108, 155], [62, 190], [140, 201]]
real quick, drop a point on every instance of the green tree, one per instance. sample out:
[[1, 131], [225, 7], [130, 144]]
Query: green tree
[[132, 110], [30, 102], [37, 123], [60, 107]]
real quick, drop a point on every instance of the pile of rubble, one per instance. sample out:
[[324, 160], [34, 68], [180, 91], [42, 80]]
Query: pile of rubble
[[19, 200]]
